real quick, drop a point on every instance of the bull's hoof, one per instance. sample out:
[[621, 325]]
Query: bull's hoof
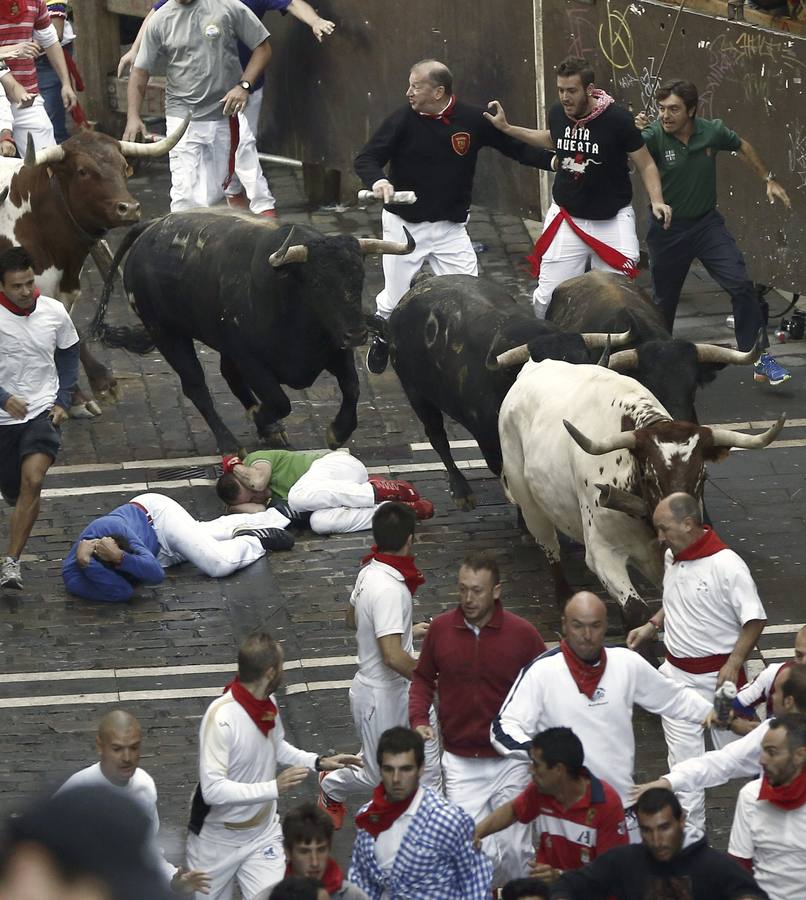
[[466, 504], [333, 440], [89, 409], [276, 439], [634, 613]]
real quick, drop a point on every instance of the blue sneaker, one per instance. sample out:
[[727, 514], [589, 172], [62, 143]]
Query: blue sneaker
[[770, 370]]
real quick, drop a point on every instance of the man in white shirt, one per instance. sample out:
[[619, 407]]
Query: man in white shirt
[[380, 612], [760, 689], [769, 825], [712, 617], [740, 759], [38, 371], [235, 832], [118, 745], [582, 685]]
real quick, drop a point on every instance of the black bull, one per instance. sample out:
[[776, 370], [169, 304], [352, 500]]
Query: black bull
[[280, 305], [443, 339]]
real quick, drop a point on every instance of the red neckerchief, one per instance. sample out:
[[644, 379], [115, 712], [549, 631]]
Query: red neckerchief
[[261, 712], [332, 879], [614, 258], [18, 311], [707, 545], [443, 116], [586, 675], [403, 564], [601, 100], [785, 796], [381, 813]]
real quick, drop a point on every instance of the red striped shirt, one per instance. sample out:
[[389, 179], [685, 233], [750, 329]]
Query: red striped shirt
[[18, 19]]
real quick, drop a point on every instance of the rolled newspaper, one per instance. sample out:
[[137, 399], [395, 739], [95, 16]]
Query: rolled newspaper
[[406, 197]]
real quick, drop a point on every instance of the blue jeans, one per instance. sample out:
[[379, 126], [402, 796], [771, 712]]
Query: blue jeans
[[51, 90]]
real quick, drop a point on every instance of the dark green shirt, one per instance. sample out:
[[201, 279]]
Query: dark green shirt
[[287, 467], [688, 171]]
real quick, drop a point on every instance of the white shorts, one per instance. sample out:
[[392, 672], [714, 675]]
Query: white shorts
[[257, 863], [568, 255], [445, 245]]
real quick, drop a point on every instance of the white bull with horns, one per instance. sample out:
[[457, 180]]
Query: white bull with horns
[[569, 431]]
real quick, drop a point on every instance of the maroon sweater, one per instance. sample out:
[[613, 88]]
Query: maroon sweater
[[474, 674]]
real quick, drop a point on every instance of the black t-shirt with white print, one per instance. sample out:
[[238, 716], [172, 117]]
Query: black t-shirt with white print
[[593, 181]]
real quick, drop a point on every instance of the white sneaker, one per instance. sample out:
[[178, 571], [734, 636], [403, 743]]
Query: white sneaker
[[10, 575]]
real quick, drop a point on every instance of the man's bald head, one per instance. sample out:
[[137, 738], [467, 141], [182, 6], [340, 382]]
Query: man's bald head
[[678, 521], [118, 744], [436, 73], [117, 720], [585, 625]]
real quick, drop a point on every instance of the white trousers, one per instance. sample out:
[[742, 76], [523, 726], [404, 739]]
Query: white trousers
[[445, 245], [481, 785], [248, 171], [375, 709], [336, 491], [685, 740], [34, 121], [208, 545], [257, 864], [568, 255], [199, 163]]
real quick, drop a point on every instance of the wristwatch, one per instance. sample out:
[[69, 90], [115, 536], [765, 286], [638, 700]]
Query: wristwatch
[[245, 85]]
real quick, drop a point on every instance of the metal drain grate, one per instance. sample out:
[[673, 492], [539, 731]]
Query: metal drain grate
[[187, 472]]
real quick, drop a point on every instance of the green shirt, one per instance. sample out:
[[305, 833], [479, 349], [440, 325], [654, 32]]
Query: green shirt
[[287, 467], [688, 171]]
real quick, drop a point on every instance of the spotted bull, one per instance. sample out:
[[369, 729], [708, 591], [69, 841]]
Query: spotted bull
[[567, 430], [279, 304], [59, 203], [444, 338]]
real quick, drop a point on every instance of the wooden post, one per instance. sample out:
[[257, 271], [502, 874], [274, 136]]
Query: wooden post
[[97, 55]]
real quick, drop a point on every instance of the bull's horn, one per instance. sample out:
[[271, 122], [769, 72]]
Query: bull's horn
[[604, 359], [3, 195], [43, 157], [396, 248], [623, 361], [289, 253], [517, 356], [711, 353], [596, 339], [157, 148], [724, 437], [621, 501], [624, 440]]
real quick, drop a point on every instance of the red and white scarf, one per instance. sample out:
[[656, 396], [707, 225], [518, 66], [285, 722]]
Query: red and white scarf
[[704, 546]]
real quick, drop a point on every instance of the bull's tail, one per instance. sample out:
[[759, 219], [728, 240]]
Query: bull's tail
[[133, 338]]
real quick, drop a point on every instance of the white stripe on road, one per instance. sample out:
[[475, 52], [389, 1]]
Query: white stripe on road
[[156, 671]]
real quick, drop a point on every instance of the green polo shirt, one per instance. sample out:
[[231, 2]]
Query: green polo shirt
[[688, 171], [287, 467]]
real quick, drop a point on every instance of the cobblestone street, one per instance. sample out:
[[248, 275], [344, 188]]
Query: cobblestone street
[[169, 651]]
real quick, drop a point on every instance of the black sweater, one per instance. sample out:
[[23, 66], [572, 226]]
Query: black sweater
[[437, 160], [631, 873]]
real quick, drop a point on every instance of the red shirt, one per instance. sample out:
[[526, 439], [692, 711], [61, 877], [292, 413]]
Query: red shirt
[[18, 19], [571, 838], [475, 674]]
